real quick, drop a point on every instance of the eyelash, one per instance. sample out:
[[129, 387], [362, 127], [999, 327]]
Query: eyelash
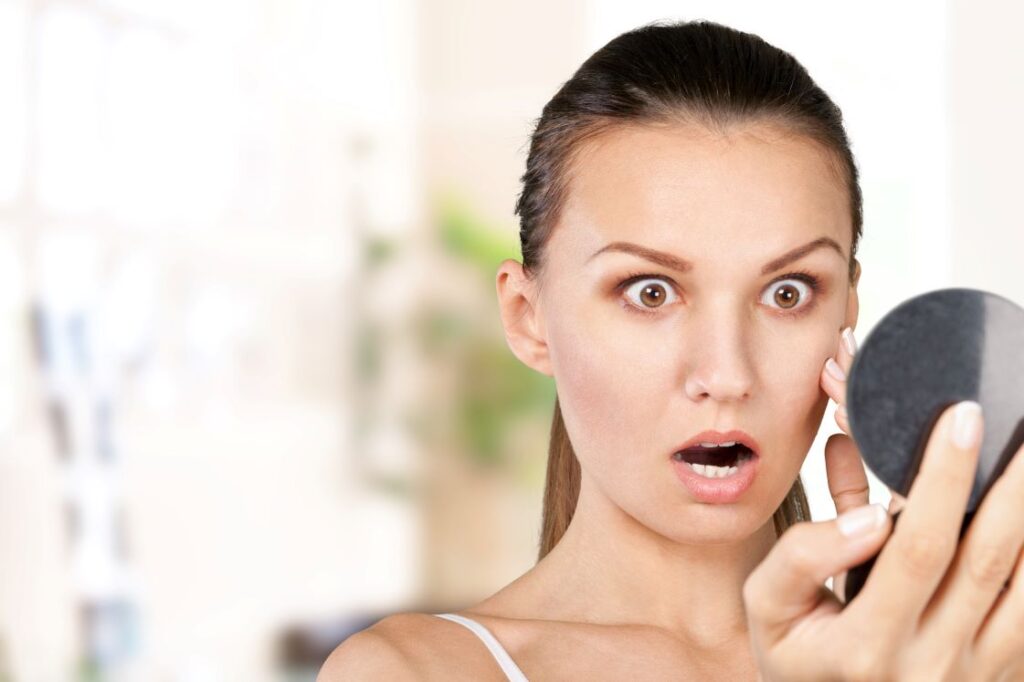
[[810, 279]]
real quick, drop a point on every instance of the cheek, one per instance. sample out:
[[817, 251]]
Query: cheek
[[792, 376], [607, 380]]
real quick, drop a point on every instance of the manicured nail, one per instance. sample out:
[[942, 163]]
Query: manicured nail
[[861, 521], [849, 341], [835, 370], [966, 424]]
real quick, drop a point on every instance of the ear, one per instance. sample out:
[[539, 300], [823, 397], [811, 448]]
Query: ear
[[853, 302], [520, 315]]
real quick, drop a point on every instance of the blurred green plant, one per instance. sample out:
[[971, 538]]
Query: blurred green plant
[[486, 396], [493, 391], [467, 237], [89, 671]]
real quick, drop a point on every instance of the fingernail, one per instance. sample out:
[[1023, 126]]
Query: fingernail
[[849, 341], [841, 410], [861, 521], [966, 424], [835, 370]]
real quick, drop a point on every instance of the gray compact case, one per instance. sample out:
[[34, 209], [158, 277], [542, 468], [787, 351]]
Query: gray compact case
[[929, 352]]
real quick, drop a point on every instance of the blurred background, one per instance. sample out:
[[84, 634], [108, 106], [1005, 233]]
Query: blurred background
[[254, 392]]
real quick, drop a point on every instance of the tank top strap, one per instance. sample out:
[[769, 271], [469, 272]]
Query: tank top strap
[[508, 666]]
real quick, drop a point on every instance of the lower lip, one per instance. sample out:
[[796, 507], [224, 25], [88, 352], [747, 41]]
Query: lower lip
[[718, 490]]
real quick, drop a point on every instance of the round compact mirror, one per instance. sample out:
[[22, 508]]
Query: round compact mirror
[[929, 352]]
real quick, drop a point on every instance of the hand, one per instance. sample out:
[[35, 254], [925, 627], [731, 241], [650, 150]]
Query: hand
[[844, 467], [931, 609], [833, 376]]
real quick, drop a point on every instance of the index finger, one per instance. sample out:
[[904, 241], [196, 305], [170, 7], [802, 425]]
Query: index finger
[[924, 541]]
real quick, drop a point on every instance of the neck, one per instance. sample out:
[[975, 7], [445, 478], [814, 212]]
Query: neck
[[609, 568]]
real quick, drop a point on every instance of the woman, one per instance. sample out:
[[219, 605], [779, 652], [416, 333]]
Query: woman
[[690, 216]]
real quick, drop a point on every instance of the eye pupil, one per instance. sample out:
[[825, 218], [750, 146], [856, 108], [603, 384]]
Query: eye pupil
[[654, 291], [785, 297]]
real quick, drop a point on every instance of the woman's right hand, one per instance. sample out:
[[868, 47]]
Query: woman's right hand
[[931, 609]]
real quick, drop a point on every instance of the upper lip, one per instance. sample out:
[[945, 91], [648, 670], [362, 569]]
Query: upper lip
[[721, 437]]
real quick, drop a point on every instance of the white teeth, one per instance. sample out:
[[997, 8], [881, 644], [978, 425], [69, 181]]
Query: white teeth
[[711, 471], [728, 444]]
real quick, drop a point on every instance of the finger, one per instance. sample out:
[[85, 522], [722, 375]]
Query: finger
[[836, 368], [833, 381], [914, 560], [847, 483], [1001, 636], [847, 349], [842, 420], [896, 502], [983, 562], [847, 479], [789, 583]]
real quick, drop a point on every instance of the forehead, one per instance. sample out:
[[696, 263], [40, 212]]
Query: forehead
[[684, 188]]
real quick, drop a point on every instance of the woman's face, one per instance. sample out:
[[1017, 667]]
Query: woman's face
[[729, 341]]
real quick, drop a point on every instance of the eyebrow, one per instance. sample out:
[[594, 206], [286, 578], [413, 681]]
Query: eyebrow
[[682, 265]]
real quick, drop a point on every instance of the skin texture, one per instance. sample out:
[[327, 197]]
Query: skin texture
[[647, 582]]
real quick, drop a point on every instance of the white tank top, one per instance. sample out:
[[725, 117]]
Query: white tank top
[[508, 666]]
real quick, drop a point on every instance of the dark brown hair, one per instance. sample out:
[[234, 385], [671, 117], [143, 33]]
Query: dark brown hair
[[697, 72]]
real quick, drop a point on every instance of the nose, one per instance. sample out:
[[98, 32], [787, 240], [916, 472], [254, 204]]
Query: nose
[[718, 362]]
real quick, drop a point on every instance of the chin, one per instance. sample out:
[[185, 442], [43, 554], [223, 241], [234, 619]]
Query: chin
[[708, 524]]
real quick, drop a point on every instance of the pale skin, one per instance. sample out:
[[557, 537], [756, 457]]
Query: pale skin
[[647, 582]]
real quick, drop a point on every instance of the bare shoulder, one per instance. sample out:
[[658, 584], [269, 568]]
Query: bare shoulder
[[404, 646], [370, 654]]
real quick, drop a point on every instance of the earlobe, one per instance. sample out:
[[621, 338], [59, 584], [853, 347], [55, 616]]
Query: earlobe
[[520, 316]]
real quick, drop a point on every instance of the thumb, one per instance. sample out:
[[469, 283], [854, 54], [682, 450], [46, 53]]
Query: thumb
[[847, 483], [789, 583], [847, 480]]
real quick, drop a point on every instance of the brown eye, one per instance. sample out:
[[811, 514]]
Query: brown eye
[[650, 293], [787, 295]]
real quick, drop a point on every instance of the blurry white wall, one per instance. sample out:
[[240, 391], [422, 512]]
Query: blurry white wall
[[184, 183], [985, 106]]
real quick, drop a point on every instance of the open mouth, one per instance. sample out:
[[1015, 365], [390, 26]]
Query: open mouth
[[715, 462]]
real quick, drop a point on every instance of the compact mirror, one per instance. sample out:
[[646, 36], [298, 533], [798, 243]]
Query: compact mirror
[[929, 352]]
